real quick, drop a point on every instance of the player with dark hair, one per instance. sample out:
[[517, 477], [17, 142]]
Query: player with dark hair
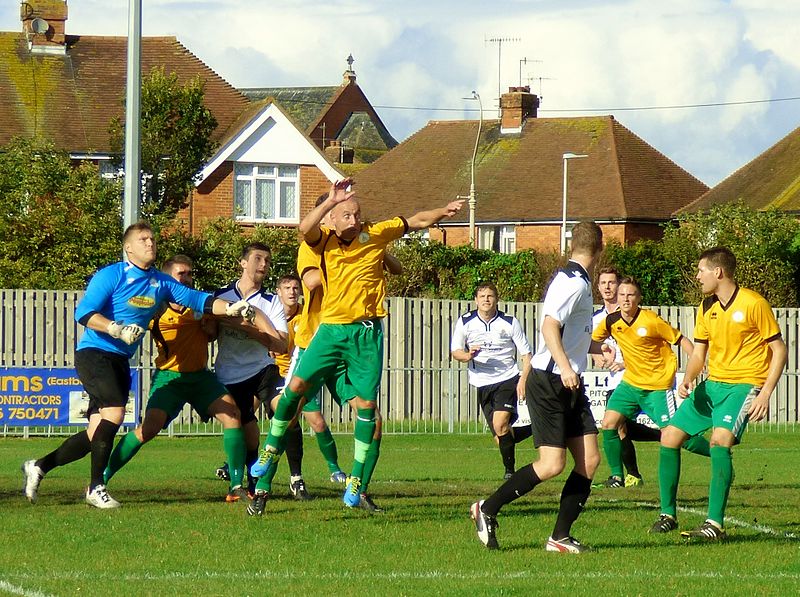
[[489, 341], [561, 418], [736, 329], [120, 301], [649, 377], [182, 377]]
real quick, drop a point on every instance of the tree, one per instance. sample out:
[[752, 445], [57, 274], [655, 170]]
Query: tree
[[176, 133], [58, 223]]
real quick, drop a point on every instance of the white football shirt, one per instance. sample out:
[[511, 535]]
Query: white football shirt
[[240, 357], [500, 339]]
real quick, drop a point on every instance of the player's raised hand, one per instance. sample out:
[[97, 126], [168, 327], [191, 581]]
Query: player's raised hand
[[453, 208], [338, 192]]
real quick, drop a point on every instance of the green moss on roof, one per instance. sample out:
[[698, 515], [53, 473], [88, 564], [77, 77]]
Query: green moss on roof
[[304, 104], [596, 126], [359, 132]]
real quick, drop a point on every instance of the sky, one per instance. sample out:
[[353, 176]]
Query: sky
[[416, 60]]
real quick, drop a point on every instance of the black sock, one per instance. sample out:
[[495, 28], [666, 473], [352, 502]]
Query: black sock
[[507, 451], [102, 444], [629, 456], [294, 450], [573, 498], [518, 485], [73, 448], [642, 433], [522, 433]]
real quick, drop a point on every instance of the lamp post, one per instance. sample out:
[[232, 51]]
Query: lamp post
[[567, 156], [471, 199]]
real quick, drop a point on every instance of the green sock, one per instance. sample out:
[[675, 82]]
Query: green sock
[[612, 446], [265, 483], [669, 472], [364, 430], [125, 450], [327, 445], [697, 444], [286, 409], [721, 473], [235, 448], [371, 461]]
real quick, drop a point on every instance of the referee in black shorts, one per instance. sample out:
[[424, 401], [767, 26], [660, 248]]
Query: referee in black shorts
[[560, 415]]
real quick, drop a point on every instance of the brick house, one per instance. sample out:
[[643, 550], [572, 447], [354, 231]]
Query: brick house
[[624, 184]]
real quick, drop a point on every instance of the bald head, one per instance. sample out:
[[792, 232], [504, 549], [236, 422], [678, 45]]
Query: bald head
[[345, 219]]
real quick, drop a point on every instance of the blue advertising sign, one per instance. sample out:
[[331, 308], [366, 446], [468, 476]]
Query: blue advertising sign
[[44, 396]]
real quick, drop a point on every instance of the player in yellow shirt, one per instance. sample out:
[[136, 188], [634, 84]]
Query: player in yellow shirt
[[349, 339], [647, 383], [182, 377], [737, 331]]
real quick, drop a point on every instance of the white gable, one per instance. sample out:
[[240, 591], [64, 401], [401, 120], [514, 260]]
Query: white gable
[[271, 138]]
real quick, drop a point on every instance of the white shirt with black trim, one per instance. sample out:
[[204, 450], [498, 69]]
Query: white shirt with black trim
[[569, 301], [500, 339], [240, 357], [614, 377]]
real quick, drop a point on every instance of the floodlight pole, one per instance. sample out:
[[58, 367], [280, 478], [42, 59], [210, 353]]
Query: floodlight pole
[[133, 99]]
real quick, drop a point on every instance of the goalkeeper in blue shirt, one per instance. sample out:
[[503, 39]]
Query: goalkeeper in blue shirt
[[120, 301]]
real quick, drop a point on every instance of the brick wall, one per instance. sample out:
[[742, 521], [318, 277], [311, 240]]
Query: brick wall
[[312, 184]]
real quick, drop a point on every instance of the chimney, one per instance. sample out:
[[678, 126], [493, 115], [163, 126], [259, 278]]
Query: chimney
[[43, 22], [516, 107], [338, 153]]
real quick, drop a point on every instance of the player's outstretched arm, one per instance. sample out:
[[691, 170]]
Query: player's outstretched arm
[[309, 226], [426, 219]]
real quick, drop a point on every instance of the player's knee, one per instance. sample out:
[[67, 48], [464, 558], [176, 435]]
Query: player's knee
[[298, 385], [672, 437], [549, 467], [316, 422], [611, 420], [591, 463], [721, 438]]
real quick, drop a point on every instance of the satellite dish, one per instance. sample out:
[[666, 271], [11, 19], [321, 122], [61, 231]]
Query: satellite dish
[[39, 25]]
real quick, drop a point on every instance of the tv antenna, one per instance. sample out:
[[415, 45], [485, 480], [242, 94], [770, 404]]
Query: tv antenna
[[540, 79], [500, 40], [525, 61]]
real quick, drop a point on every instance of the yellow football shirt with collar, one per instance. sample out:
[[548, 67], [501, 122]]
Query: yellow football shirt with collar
[[737, 336], [645, 342], [308, 322], [181, 340], [284, 360], [354, 285]]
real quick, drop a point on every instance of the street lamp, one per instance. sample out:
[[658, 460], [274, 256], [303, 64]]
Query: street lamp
[[567, 156], [471, 198]]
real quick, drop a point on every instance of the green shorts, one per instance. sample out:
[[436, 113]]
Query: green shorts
[[170, 390], [337, 385], [716, 404], [628, 400], [348, 357]]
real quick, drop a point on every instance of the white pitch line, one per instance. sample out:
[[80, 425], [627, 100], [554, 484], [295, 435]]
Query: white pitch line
[[761, 528], [16, 590]]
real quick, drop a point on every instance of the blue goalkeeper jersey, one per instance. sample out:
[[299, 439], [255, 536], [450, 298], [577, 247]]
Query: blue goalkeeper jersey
[[126, 293]]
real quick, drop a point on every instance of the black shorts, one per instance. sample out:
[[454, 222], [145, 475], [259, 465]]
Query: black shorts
[[557, 413], [264, 385], [500, 396], [105, 376]]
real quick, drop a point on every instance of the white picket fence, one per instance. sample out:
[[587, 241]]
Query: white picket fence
[[423, 390]]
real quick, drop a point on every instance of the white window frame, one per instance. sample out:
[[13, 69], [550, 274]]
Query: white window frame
[[246, 171], [502, 237], [508, 239]]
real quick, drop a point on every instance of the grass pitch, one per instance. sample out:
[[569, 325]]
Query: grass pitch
[[175, 535]]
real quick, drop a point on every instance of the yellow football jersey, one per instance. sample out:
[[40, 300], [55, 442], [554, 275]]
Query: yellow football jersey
[[308, 322], [352, 272], [284, 360], [738, 337], [182, 342], [645, 342]]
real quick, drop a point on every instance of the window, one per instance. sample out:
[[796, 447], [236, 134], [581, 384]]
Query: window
[[109, 170], [266, 193], [501, 239]]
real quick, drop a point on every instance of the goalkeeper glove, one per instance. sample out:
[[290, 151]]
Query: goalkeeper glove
[[128, 333]]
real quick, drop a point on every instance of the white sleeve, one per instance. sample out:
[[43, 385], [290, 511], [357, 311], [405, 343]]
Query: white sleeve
[[277, 315], [520, 340], [561, 298], [458, 339]]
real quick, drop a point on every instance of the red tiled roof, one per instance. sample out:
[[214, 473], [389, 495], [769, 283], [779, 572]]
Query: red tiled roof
[[519, 177], [772, 180], [71, 99]]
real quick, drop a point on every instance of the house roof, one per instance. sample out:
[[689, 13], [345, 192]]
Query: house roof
[[72, 98], [772, 180], [303, 104], [519, 177]]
